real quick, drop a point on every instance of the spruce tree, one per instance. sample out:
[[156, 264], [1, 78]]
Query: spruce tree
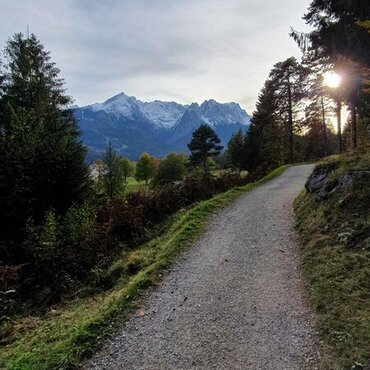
[[113, 174], [237, 150], [204, 144], [41, 157], [264, 141]]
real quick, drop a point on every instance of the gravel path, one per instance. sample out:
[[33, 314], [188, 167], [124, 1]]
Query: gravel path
[[234, 301]]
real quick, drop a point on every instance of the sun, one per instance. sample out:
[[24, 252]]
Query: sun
[[332, 79]]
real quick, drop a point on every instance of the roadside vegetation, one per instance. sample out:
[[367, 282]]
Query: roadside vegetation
[[66, 334], [333, 221]]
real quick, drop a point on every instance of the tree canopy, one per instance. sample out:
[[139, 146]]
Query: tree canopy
[[204, 144], [171, 169], [145, 168]]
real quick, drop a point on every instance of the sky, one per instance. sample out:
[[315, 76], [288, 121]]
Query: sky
[[174, 50]]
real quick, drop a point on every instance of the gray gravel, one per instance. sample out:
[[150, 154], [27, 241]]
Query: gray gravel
[[234, 301]]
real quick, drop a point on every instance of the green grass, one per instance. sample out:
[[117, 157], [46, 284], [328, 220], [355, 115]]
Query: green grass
[[336, 273], [133, 185], [221, 171], [65, 335]]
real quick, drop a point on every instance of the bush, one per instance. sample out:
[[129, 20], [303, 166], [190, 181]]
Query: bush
[[65, 253]]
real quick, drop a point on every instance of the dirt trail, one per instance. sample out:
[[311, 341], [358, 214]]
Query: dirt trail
[[234, 301]]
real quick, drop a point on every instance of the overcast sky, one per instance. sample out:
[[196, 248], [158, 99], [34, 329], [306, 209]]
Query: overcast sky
[[181, 50]]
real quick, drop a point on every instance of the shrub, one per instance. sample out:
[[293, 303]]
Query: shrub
[[68, 252]]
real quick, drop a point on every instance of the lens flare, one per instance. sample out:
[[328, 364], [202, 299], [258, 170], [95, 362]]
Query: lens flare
[[332, 79]]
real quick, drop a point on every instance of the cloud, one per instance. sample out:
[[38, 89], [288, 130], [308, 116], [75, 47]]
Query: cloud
[[161, 49]]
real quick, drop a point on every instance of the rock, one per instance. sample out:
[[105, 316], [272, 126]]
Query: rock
[[353, 177], [323, 185], [319, 182]]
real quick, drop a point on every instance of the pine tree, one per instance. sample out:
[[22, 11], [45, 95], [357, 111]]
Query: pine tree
[[203, 145], [317, 110], [237, 150], [340, 41], [112, 175], [288, 78], [41, 158]]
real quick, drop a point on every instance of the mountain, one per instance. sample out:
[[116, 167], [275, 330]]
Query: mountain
[[157, 127]]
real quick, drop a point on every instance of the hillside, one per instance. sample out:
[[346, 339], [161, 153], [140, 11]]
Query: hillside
[[157, 127], [333, 220]]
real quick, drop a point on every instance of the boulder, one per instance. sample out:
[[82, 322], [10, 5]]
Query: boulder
[[322, 184], [319, 182]]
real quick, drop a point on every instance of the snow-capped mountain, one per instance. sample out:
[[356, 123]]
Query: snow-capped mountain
[[157, 127]]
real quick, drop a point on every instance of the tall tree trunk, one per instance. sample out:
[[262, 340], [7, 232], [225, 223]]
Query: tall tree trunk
[[339, 125], [290, 121], [353, 127], [325, 135]]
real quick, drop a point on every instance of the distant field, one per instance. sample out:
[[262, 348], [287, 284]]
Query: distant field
[[133, 185]]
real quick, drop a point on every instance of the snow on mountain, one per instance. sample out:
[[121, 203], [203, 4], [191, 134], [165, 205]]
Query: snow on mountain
[[120, 104], [158, 127], [167, 115], [162, 114], [215, 113]]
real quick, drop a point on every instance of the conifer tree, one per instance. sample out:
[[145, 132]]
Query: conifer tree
[[203, 145], [340, 40], [264, 140], [237, 150], [288, 78], [112, 175], [41, 158]]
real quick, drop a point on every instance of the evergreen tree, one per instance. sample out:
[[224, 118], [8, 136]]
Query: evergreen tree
[[145, 168], [203, 145], [317, 110], [237, 150], [112, 175], [41, 158], [340, 40], [264, 140], [288, 80]]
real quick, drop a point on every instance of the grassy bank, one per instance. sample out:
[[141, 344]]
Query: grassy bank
[[336, 263], [65, 335]]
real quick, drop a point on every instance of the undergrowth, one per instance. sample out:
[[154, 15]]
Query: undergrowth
[[336, 263], [65, 335]]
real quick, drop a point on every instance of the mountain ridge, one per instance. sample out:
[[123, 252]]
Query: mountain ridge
[[158, 127]]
